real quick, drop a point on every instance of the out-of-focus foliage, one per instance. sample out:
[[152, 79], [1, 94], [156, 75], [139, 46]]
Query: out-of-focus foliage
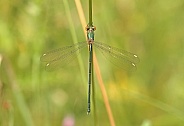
[[151, 96]]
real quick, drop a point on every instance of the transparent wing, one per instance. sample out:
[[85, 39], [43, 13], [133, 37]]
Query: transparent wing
[[58, 57], [119, 57]]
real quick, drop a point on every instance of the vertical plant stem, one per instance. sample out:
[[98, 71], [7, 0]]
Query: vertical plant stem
[[93, 98], [19, 97], [95, 63], [104, 93], [90, 13], [74, 37]]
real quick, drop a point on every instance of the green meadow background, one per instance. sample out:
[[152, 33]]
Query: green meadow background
[[153, 95]]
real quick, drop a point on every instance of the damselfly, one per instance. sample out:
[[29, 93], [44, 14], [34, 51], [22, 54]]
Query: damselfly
[[54, 59]]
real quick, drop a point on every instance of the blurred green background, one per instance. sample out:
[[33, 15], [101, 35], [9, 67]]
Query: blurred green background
[[153, 95]]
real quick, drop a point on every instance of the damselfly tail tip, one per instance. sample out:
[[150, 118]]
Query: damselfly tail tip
[[88, 112]]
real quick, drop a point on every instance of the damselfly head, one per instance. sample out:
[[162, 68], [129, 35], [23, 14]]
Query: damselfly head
[[90, 28]]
